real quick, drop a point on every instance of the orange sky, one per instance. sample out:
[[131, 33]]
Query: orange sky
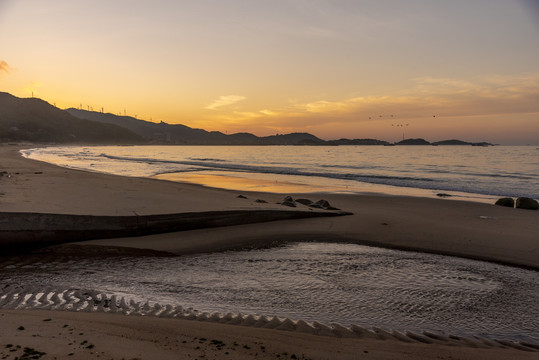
[[355, 69]]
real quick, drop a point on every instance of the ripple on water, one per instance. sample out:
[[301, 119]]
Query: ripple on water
[[343, 283]]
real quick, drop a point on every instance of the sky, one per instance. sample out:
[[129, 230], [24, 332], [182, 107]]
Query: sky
[[433, 69]]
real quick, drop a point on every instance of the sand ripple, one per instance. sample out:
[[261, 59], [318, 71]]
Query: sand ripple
[[321, 287], [15, 297]]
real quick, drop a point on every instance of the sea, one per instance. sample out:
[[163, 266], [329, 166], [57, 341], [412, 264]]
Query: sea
[[323, 282], [465, 172]]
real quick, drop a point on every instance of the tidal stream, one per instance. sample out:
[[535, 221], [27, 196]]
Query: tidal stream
[[342, 283]]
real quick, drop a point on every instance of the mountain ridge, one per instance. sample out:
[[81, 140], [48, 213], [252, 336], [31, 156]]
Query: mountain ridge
[[179, 134], [35, 120]]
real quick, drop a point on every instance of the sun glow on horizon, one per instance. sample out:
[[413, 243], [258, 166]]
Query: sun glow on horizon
[[348, 70]]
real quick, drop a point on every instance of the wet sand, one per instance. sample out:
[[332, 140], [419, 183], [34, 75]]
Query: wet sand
[[445, 226]]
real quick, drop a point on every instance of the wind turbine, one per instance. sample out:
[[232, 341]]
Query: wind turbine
[[402, 126]]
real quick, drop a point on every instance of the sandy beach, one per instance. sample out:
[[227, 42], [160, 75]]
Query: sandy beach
[[445, 226], [467, 229]]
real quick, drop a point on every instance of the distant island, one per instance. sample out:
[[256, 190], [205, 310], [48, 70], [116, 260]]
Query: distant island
[[443, 142], [35, 120]]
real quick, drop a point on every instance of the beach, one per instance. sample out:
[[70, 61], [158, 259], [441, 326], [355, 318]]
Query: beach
[[444, 226]]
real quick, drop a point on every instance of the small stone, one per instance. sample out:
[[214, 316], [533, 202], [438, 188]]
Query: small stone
[[443, 195], [241, 197], [324, 204], [288, 203], [261, 201], [507, 202], [527, 203], [288, 198], [332, 208]]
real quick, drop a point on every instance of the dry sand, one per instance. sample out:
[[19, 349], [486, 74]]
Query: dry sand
[[65, 335], [435, 225]]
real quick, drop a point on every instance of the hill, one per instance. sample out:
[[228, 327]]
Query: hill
[[460, 142], [35, 120], [413, 142], [184, 135]]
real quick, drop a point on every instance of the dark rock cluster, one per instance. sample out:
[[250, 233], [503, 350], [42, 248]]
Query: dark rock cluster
[[521, 203], [320, 204]]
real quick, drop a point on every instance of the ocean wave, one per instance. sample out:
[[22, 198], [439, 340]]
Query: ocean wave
[[492, 176], [206, 165]]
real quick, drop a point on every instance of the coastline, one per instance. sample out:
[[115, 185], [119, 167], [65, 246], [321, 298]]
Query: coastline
[[445, 226]]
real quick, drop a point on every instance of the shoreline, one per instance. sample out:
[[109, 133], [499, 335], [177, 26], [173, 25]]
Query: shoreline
[[442, 226], [465, 229], [260, 183]]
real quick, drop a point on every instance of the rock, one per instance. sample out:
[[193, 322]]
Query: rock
[[527, 203], [241, 197], [323, 204], [507, 202], [332, 208], [304, 201], [443, 195], [261, 201], [288, 203], [320, 204]]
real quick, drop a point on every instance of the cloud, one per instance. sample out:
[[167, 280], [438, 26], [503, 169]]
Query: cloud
[[427, 103], [4, 67], [225, 101], [446, 96], [426, 100]]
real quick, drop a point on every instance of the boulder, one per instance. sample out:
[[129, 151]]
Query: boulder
[[507, 202], [322, 204], [288, 203], [304, 201], [331, 208], [527, 203]]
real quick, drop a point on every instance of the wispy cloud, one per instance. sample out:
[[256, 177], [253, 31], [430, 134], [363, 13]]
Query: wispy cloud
[[451, 97], [4, 67], [429, 98], [225, 100]]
